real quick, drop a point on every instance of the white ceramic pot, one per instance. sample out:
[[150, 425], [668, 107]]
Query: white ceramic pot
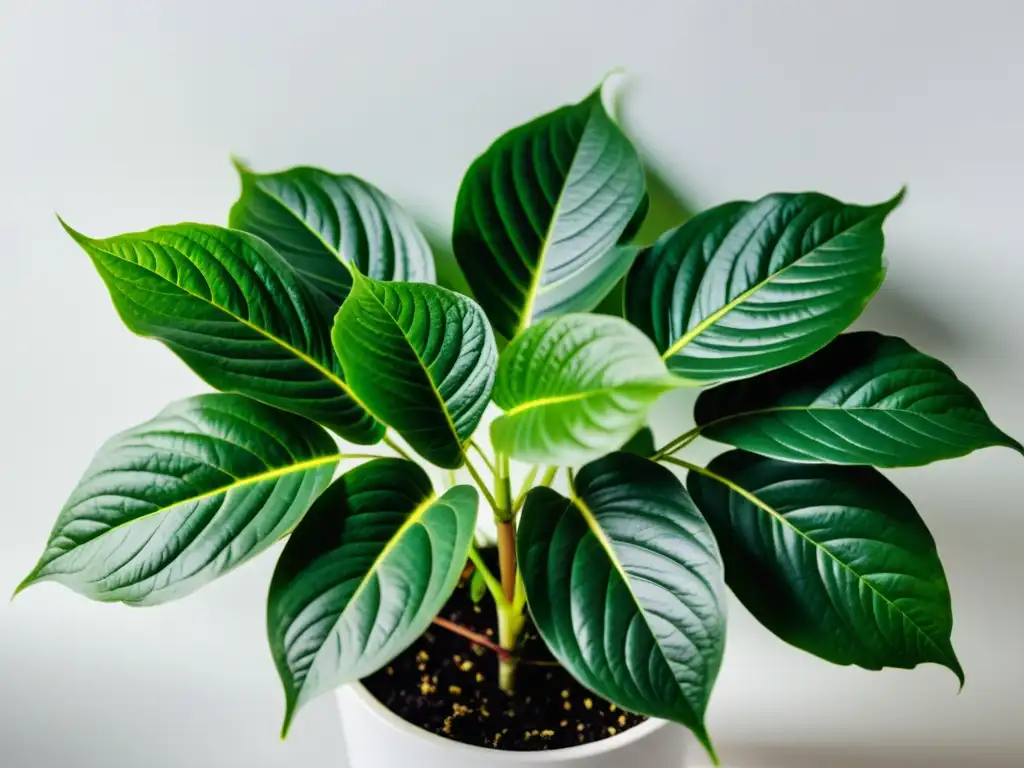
[[375, 737]]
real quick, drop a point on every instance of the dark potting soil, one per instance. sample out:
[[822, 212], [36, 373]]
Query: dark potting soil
[[449, 686]]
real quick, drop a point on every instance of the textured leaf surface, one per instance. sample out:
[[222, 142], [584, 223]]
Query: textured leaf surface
[[834, 560], [747, 287], [236, 313], [539, 215], [624, 583], [171, 504], [863, 399], [575, 387], [322, 222], [363, 575], [422, 358]]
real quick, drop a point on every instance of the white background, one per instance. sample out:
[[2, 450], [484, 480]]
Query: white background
[[122, 115]]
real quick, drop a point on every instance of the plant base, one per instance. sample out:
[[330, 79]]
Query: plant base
[[450, 687]]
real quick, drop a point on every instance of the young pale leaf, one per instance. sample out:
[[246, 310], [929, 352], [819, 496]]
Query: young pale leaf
[[422, 358], [363, 575], [172, 504], [540, 213], [323, 223], [624, 583], [237, 314], [574, 388], [863, 399], [747, 287], [833, 560]]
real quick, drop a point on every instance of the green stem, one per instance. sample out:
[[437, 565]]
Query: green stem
[[493, 585], [390, 443], [510, 621], [481, 485], [674, 445], [527, 485], [480, 452], [549, 476]]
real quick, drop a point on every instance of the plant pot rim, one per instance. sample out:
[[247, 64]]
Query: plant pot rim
[[389, 718]]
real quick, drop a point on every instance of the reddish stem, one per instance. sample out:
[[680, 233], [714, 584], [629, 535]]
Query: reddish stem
[[474, 637]]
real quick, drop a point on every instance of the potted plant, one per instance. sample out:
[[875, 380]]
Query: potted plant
[[599, 616]]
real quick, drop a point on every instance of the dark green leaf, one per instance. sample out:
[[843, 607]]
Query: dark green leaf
[[834, 560], [863, 399], [422, 358], [747, 287], [321, 223], [236, 313], [172, 504], [540, 212], [363, 575], [575, 387], [624, 583], [641, 444]]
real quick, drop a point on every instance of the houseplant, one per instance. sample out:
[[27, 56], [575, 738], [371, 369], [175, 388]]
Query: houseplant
[[317, 310]]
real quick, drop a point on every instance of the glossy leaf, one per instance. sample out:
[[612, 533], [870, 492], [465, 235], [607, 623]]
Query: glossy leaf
[[641, 444], [173, 503], [863, 399], [323, 224], [422, 358], [747, 287], [624, 583], [236, 313], [363, 575], [574, 388], [834, 560], [540, 213]]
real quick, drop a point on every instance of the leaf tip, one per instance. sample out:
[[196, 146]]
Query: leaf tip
[[610, 91], [77, 236], [240, 165], [892, 203], [705, 741], [289, 717], [27, 582]]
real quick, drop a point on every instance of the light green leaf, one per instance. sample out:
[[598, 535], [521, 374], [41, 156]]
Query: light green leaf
[[173, 503], [236, 313], [863, 399], [625, 585], [477, 586], [540, 213], [323, 223], [748, 287], [574, 388], [363, 575], [422, 358], [834, 560]]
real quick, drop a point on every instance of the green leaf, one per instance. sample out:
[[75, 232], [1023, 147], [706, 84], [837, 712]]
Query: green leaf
[[624, 583], [539, 214], [173, 503], [863, 399], [323, 224], [422, 358], [641, 444], [574, 388], [747, 287], [363, 575], [834, 560], [236, 313], [477, 586]]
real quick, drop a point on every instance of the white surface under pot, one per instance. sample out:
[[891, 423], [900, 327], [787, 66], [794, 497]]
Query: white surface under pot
[[375, 737]]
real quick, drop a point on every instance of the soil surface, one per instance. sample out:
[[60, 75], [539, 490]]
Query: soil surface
[[449, 685]]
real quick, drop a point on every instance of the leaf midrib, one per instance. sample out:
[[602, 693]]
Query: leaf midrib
[[718, 314], [325, 372], [415, 518], [779, 517], [272, 474], [422, 365], [531, 294], [606, 544], [543, 402]]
